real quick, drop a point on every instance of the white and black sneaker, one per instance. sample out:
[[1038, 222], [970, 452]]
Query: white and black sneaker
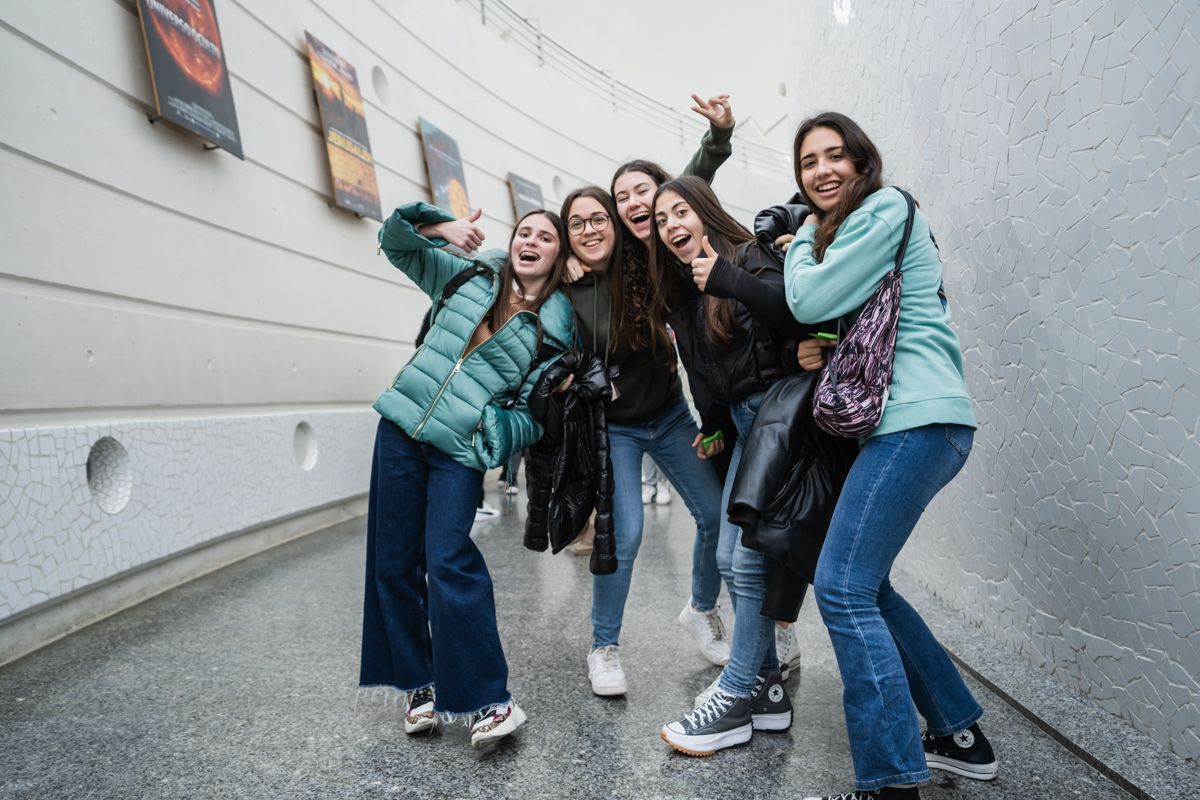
[[886, 793], [419, 715], [770, 706], [967, 753], [494, 723], [723, 721]]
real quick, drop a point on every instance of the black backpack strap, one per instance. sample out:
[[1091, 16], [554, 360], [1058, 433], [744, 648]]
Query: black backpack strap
[[456, 283], [908, 226]]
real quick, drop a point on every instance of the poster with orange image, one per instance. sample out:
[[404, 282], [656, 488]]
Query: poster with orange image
[[341, 105], [447, 183], [187, 69]]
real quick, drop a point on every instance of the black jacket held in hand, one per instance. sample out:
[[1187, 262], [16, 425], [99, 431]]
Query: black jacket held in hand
[[568, 473], [786, 488], [776, 221]]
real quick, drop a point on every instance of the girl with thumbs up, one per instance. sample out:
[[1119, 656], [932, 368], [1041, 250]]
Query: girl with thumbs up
[[723, 295]]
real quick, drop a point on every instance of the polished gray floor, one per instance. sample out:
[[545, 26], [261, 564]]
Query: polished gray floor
[[242, 684]]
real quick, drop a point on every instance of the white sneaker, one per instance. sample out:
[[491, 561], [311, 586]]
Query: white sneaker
[[486, 511], [648, 493], [662, 493], [787, 649], [496, 722], [709, 631], [708, 692], [418, 711], [605, 673]]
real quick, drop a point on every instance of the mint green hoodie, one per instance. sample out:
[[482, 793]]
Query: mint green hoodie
[[927, 378]]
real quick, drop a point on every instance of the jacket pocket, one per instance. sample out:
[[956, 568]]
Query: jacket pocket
[[490, 438]]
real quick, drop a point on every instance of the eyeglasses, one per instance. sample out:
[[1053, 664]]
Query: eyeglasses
[[598, 222]]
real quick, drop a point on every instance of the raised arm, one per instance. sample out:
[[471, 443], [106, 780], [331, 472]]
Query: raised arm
[[412, 236], [715, 147]]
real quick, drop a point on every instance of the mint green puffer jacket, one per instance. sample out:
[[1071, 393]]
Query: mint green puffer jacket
[[453, 401]]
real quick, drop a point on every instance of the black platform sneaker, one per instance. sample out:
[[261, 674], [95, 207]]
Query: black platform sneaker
[[967, 753]]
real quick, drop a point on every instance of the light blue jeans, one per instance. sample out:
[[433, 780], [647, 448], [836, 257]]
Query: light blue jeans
[[747, 573], [668, 438], [888, 658]]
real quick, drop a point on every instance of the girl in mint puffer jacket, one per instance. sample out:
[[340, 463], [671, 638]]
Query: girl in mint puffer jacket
[[456, 409]]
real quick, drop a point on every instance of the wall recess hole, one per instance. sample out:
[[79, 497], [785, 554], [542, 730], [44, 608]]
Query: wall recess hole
[[559, 187], [110, 474], [304, 442], [383, 88]]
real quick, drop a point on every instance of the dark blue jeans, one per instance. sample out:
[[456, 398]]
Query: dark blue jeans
[[429, 615], [888, 658]]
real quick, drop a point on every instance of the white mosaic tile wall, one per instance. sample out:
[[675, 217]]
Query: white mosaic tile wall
[[158, 487], [1055, 147]]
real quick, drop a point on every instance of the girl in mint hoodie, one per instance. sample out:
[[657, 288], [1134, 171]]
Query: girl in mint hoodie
[[888, 658], [457, 408]]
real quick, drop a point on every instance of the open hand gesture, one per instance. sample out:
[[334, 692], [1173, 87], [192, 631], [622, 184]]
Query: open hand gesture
[[702, 265], [716, 110]]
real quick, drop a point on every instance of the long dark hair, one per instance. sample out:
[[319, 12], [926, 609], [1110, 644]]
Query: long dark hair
[[867, 163], [502, 310], [725, 234], [627, 285]]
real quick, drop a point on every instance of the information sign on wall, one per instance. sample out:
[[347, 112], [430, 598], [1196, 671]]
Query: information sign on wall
[[526, 195], [187, 69], [346, 142]]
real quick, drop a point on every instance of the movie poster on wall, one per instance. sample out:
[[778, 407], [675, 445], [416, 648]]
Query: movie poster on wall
[[341, 105], [526, 195], [188, 71], [447, 183]]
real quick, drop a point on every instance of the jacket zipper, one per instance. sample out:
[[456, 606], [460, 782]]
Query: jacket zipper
[[463, 356]]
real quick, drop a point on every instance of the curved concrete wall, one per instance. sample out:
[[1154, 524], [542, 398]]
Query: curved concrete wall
[[196, 309], [1057, 153]]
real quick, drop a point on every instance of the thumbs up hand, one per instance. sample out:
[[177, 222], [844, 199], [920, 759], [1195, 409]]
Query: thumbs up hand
[[462, 233], [702, 265]]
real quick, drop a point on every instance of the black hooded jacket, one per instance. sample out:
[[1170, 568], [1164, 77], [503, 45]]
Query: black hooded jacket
[[568, 472], [762, 350]]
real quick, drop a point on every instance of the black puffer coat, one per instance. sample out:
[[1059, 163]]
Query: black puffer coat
[[568, 473], [786, 488]]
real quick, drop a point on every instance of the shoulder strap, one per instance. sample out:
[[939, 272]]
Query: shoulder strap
[[908, 226], [456, 282]]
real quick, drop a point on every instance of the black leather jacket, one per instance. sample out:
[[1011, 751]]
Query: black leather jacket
[[568, 472], [762, 350], [787, 487]]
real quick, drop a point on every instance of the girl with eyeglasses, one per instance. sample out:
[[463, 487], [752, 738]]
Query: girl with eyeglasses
[[648, 412]]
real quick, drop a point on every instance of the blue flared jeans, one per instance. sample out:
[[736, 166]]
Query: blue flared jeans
[[429, 615], [887, 656], [668, 438]]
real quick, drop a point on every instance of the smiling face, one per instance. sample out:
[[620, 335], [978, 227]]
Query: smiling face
[[633, 191], [825, 167], [678, 226], [591, 246], [534, 249]]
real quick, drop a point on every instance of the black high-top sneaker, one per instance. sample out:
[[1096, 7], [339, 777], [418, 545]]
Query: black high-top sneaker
[[721, 721], [967, 753], [770, 706], [886, 793]]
